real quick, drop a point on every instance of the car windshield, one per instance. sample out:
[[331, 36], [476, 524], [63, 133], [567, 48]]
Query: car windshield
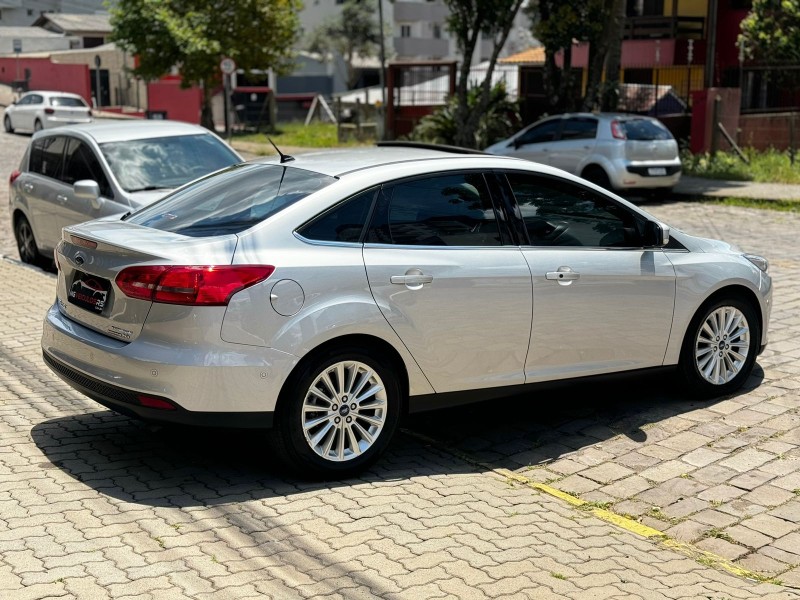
[[166, 162], [65, 101], [230, 201], [645, 130]]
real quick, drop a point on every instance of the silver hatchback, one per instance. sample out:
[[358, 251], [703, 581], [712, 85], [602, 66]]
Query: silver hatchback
[[619, 152], [327, 295], [75, 173]]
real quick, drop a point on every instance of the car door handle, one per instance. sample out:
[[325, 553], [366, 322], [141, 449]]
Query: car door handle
[[62, 198], [564, 275], [413, 277]]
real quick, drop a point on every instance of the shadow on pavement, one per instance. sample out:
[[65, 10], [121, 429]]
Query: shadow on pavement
[[185, 467]]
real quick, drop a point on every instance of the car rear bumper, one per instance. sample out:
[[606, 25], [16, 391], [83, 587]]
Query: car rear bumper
[[223, 385], [647, 175]]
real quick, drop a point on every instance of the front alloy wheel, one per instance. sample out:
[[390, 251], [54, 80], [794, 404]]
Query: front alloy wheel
[[337, 414], [720, 348]]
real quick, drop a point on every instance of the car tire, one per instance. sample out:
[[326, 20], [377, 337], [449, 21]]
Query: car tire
[[26, 243], [720, 347], [321, 430], [7, 124], [37, 125], [598, 177]]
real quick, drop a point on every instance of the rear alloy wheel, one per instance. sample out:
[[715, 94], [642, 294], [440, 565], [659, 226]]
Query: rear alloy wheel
[[339, 415], [26, 243], [7, 124], [720, 347], [37, 125]]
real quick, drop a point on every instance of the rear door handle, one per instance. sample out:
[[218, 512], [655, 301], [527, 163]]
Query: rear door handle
[[412, 278]]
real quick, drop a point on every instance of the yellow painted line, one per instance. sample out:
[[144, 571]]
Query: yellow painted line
[[703, 556]]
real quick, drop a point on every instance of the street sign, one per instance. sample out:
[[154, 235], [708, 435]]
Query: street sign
[[97, 61], [17, 45], [227, 66]]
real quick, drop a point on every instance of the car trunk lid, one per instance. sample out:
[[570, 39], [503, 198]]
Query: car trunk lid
[[92, 255]]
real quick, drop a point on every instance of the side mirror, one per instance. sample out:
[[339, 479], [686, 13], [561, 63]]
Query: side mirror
[[656, 234], [88, 190]]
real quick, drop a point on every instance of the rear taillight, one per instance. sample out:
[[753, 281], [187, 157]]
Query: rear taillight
[[49, 111], [13, 177], [618, 131], [190, 285]]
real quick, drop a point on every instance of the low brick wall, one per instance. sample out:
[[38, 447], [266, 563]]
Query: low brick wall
[[766, 131]]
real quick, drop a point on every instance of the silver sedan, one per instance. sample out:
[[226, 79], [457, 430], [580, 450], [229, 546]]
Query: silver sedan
[[327, 295]]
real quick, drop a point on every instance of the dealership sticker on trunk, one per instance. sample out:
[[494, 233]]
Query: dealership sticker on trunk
[[89, 292]]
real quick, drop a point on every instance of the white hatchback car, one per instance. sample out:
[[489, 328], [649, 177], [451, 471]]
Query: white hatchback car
[[329, 294], [43, 110], [620, 152]]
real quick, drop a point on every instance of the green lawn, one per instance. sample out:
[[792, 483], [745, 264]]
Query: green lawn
[[297, 134], [765, 167]]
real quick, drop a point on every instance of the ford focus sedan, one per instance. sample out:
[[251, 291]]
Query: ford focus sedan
[[327, 295]]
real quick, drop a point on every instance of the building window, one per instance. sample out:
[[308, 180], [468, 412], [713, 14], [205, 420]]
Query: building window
[[437, 31], [405, 31], [30, 12]]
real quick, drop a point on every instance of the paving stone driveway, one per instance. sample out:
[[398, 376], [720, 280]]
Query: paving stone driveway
[[95, 505]]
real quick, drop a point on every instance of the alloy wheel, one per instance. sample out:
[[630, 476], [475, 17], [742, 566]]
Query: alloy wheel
[[344, 411], [26, 244], [722, 345]]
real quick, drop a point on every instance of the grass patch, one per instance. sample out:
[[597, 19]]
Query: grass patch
[[719, 534], [296, 133], [557, 575], [792, 206], [765, 167]]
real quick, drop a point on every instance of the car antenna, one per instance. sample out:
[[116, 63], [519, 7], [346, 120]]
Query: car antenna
[[284, 157]]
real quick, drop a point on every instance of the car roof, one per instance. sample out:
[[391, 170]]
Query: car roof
[[129, 129], [338, 162]]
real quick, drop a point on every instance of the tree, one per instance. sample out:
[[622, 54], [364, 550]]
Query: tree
[[558, 25], [353, 32], [469, 20], [194, 35], [771, 31]]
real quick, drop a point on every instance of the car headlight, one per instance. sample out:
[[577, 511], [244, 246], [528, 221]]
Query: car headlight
[[759, 261]]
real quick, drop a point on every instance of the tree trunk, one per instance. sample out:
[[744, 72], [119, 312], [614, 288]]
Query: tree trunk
[[610, 93], [206, 112]]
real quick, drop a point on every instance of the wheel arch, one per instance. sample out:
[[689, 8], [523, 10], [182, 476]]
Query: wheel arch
[[371, 344]]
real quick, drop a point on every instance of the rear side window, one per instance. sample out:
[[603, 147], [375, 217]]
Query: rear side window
[[46, 156], [231, 201], [579, 128], [443, 210], [645, 130], [343, 223]]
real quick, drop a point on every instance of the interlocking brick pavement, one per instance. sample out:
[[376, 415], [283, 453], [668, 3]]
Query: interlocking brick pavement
[[96, 505]]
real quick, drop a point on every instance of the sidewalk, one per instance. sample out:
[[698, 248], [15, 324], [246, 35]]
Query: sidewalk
[[715, 188]]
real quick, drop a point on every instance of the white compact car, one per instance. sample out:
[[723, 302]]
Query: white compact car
[[327, 295], [43, 110], [620, 152]]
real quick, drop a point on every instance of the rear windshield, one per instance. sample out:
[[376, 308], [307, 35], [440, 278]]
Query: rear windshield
[[230, 201], [166, 162], [645, 130], [65, 101]]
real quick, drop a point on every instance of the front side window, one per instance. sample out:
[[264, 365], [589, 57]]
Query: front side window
[[443, 210], [231, 201], [46, 155], [81, 163], [546, 132], [560, 213], [165, 162]]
